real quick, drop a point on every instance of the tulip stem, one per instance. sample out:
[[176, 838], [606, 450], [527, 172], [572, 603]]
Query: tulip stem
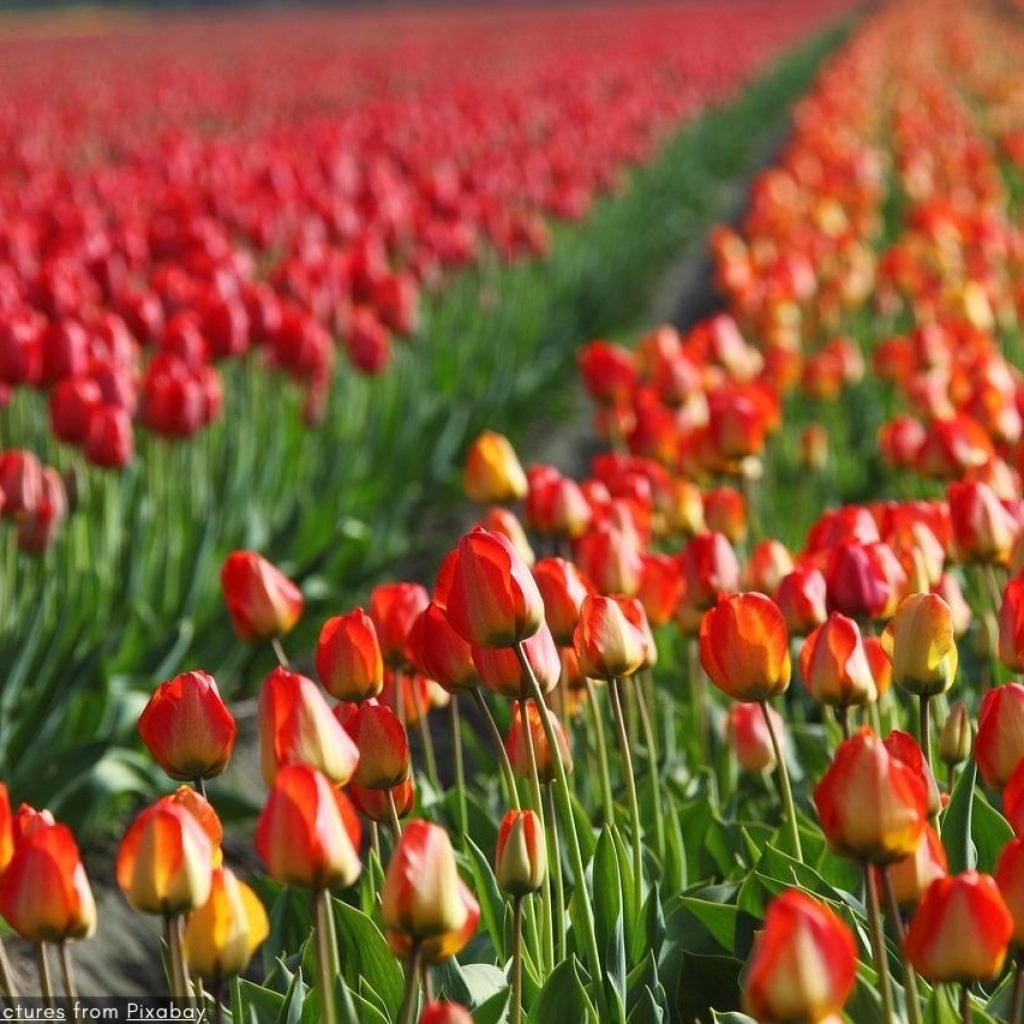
[[607, 800], [843, 715], [785, 789], [555, 866], [966, 1008], [925, 728], [1017, 1001], [548, 932], [499, 745], [326, 953], [878, 942], [201, 787], [651, 743], [412, 974], [396, 825], [615, 690], [178, 931], [460, 768], [218, 1000], [7, 988], [67, 971], [45, 981], [175, 956], [282, 658], [994, 590], [516, 1011], [586, 911], [909, 974]]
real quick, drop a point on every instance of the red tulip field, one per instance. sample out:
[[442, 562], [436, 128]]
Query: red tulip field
[[513, 515]]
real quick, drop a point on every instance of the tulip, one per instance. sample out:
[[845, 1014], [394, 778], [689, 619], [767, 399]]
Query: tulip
[[21, 483], [493, 474], [222, 935], [803, 964], [1009, 875], [911, 876], [709, 568], [439, 653], [961, 930], [202, 810], [556, 505], [834, 665], [983, 531], [445, 1013], [902, 746], [725, 512], [881, 666], [814, 446], [262, 602], [44, 893], [520, 860], [297, 727], [501, 520], [661, 586], [501, 671], [394, 608], [187, 729], [857, 585], [6, 829], [750, 739], [27, 819], [607, 644], [165, 861], [308, 834], [348, 657], [872, 806], [517, 745], [1013, 799], [608, 370], [611, 559], [949, 590], [494, 600], [376, 803], [957, 736], [1011, 625], [999, 743], [768, 564], [562, 588], [921, 644], [407, 694], [383, 747], [800, 596]]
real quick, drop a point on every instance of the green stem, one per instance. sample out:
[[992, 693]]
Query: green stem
[[516, 1010], [784, 786], [326, 953], [512, 794], [178, 935], [282, 658], [201, 787], [412, 973], [652, 759], [460, 768], [966, 1009], [1017, 1002], [586, 912], [218, 1000], [396, 825], [909, 974], [555, 868], [7, 988], [925, 727], [878, 943], [67, 971], [45, 980], [615, 690], [607, 800], [548, 932]]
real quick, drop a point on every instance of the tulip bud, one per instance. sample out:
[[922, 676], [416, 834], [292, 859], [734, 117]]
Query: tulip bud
[[494, 600], [493, 474], [383, 747], [999, 743], [394, 608], [912, 875], [44, 893], [519, 752], [768, 564], [1011, 625], [187, 729], [881, 666], [803, 964], [297, 727], [222, 935], [308, 833], [983, 531], [1009, 877], [505, 522], [607, 644], [562, 588], [957, 735], [610, 558], [801, 599], [748, 733], [744, 647], [375, 804], [439, 653], [709, 568], [348, 657], [499, 668], [872, 806], [165, 861], [961, 930], [262, 602], [520, 861], [834, 664], [1013, 799], [921, 644], [661, 586]]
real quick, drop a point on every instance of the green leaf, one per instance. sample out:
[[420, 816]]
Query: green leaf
[[563, 998], [494, 1010], [472, 985], [719, 919], [253, 1003], [647, 1010], [488, 894], [607, 903], [957, 824], [366, 956], [291, 1009], [990, 832]]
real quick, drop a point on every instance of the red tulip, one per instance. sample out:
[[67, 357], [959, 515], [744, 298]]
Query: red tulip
[[834, 664], [769, 563], [1009, 877], [611, 559], [376, 803], [801, 599], [499, 668], [661, 586], [563, 589], [709, 568], [348, 657], [999, 744], [1011, 625], [262, 602], [439, 653], [749, 738], [983, 531], [517, 747], [394, 607], [383, 746]]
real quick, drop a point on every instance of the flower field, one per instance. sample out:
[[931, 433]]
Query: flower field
[[317, 655]]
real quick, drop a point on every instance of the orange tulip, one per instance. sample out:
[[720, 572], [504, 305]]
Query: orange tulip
[[912, 875], [186, 727], [872, 806], [661, 586], [961, 931], [202, 810], [562, 587], [222, 935], [1011, 625], [348, 657], [375, 803], [921, 644], [493, 473], [881, 666], [439, 653], [1009, 877], [607, 644], [834, 664], [165, 860], [44, 893], [748, 734], [520, 859], [744, 647], [297, 727], [262, 601], [500, 670], [519, 753], [308, 833], [494, 600], [1013, 799], [800, 596], [394, 607], [505, 522], [999, 744], [383, 746], [610, 558], [803, 964]]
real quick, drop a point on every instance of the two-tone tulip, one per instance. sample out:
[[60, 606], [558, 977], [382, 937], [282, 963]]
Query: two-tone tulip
[[517, 744], [262, 602], [834, 664], [607, 643], [520, 858], [348, 657], [912, 875], [999, 743], [383, 746], [922, 645]]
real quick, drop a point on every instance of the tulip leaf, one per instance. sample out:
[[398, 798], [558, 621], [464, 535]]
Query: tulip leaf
[[468, 984], [942, 1008], [366, 957], [563, 998], [675, 871], [990, 832], [606, 885], [291, 1009], [494, 1010], [957, 822], [253, 1004], [488, 894]]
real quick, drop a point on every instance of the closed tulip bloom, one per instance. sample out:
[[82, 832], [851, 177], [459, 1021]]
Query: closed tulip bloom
[[383, 746], [607, 644], [557, 505], [348, 657], [961, 930], [186, 727], [518, 751], [308, 833], [803, 964], [499, 668], [562, 587], [505, 522], [297, 727], [608, 370], [262, 602], [633, 609], [872, 806], [881, 666], [685, 510], [999, 743], [375, 804], [445, 1013], [44, 893], [983, 530], [407, 694], [1011, 625], [957, 735], [165, 860], [437, 949], [769, 563], [834, 665], [709, 568], [904, 747], [749, 738], [949, 590], [857, 586], [744, 647], [202, 810], [912, 875], [520, 859], [661, 586], [6, 828], [27, 819], [493, 474], [494, 600], [610, 558], [439, 653], [222, 935], [801, 599], [1009, 877], [725, 512], [921, 644], [394, 608]]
